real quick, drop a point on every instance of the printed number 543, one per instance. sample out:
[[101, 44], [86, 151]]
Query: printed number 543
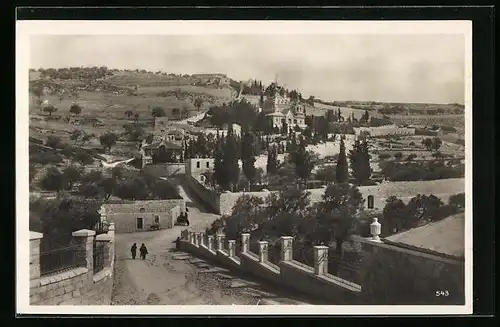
[[442, 293]]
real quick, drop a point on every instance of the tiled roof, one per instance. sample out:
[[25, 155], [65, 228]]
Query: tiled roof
[[148, 205], [446, 236]]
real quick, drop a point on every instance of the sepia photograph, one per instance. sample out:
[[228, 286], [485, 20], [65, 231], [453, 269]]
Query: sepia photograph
[[219, 167]]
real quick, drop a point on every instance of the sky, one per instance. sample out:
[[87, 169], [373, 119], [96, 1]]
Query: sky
[[392, 68]]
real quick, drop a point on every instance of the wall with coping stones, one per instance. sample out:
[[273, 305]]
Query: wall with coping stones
[[77, 286], [289, 273], [394, 274]]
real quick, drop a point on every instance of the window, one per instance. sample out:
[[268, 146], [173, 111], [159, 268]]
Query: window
[[370, 202], [208, 164], [157, 219], [139, 223], [197, 164]]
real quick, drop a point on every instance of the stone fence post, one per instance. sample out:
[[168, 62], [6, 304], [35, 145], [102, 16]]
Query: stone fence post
[[195, 239], [210, 242], [220, 241], [286, 248], [35, 239], [111, 230], [245, 242], [263, 248], [320, 259], [201, 240], [84, 238], [191, 237], [232, 248]]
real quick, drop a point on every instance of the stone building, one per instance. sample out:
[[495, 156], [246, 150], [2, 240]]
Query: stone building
[[141, 216], [198, 166], [280, 110]]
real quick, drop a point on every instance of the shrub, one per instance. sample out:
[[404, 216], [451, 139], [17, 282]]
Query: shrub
[[457, 200], [411, 143], [398, 155]]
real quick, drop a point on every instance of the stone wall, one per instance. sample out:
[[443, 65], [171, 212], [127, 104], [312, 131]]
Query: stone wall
[[165, 169], [289, 273], [394, 274], [78, 285], [209, 197]]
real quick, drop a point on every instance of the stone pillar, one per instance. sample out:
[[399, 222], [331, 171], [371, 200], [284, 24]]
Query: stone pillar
[[320, 259], [105, 240], [197, 239], [191, 237], [84, 238], [286, 248], [232, 248], [111, 230], [245, 242], [210, 242], [35, 239], [220, 242], [263, 248], [201, 239]]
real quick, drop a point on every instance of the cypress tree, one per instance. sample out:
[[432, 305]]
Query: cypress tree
[[359, 158], [342, 172], [248, 156], [230, 160]]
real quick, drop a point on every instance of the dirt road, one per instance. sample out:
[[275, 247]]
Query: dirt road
[[170, 277]]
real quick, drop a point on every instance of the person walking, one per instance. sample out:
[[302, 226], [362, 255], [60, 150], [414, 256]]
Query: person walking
[[144, 251], [187, 220], [133, 250]]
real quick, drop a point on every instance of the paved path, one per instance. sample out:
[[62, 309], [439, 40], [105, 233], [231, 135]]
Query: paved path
[[171, 277]]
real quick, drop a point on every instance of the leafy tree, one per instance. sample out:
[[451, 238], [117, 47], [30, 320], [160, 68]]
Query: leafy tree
[[337, 213], [50, 110], [158, 112], [75, 109], [198, 102], [129, 113], [424, 208], [108, 140], [342, 172], [71, 175], [366, 117], [53, 180], [427, 143], [75, 135], [436, 143], [310, 101], [286, 210], [247, 214], [395, 216], [53, 141], [360, 162], [136, 117]]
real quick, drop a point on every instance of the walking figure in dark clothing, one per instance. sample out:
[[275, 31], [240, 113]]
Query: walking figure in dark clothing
[[178, 243], [187, 220], [133, 250], [144, 251]]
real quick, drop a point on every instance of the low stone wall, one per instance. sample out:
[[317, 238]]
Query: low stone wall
[[78, 285], [315, 281], [165, 169]]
